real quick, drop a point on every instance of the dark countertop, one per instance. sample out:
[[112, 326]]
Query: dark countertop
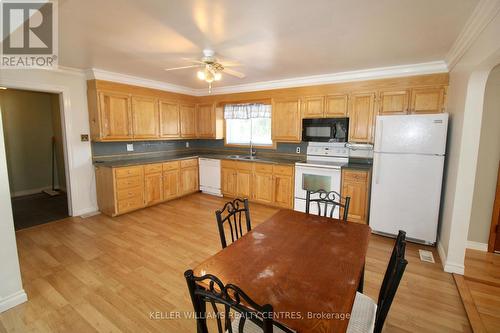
[[358, 166], [116, 163]]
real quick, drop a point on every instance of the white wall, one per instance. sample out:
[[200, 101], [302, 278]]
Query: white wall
[[73, 86], [487, 166], [465, 105], [11, 289]]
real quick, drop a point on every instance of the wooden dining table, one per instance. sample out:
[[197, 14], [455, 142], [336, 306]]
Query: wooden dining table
[[306, 266]]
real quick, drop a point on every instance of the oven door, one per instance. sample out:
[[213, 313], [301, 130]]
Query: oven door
[[314, 178]]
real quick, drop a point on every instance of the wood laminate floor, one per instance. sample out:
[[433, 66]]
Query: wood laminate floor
[[125, 274]]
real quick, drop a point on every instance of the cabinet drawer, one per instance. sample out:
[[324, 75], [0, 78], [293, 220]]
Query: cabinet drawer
[[265, 168], [124, 183], [283, 170], [129, 171], [130, 204], [228, 164], [356, 175], [244, 166], [189, 163], [167, 166], [153, 168], [129, 193]]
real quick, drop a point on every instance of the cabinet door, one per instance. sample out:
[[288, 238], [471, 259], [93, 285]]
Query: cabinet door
[[313, 107], [336, 105], [427, 100], [355, 185], [286, 120], [145, 117], [188, 120], [283, 191], [263, 187], [170, 184], [361, 117], [244, 183], [228, 180], [205, 120], [189, 180], [169, 120], [115, 114], [394, 102], [153, 188]]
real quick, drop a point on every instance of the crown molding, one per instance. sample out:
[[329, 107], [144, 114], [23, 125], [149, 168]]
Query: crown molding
[[482, 15], [99, 74], [359, 75]]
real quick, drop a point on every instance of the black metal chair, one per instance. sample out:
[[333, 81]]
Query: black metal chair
[[229, 301], [368, 316], [326, 199], [231, 214]]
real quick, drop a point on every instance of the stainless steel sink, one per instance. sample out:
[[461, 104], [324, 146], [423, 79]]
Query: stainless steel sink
[[243, 157]]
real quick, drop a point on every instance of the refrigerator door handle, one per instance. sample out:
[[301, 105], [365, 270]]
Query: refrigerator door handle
[[380, 130], [377, 174]]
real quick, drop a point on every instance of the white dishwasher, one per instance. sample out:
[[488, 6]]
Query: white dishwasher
[[210, 176]]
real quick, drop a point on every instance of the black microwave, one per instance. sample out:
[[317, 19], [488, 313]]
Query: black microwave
[[325, 129]]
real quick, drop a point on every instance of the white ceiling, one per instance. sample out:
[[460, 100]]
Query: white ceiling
[[272, 40]]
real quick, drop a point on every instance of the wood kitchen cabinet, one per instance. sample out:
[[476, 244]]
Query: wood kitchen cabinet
[[313, 107], [263, 183], [188, 120], [145, 118], [205, 120], [153, 184], [115, 118], [286, 120], [427, 100], [124, 189], [336, 105], [394, 102], [169, 119], [361, 117], [271, 184], [189, 176], [356, 184]]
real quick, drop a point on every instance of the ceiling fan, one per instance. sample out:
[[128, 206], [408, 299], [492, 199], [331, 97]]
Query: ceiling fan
[[210, 69]]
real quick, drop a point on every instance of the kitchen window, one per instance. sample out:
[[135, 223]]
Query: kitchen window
[[248, 124]]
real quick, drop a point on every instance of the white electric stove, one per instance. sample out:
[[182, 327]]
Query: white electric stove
[[321, 170]]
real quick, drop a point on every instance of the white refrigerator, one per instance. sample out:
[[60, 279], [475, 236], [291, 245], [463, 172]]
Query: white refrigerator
[[408, 165]]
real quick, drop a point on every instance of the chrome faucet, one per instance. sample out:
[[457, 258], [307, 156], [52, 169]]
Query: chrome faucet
[[253, 152]]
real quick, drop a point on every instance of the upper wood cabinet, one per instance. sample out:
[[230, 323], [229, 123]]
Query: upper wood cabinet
[[427, 100], [313, 107], [145, 118], [114, 116], [361, 117], [336, 105], [170, 122], [188, 120], [205, 120], [393, 102], [286, 120]]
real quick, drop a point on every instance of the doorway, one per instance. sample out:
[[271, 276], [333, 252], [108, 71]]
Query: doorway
[[35, 157]]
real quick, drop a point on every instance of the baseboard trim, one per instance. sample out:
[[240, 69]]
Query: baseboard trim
[[85, 211], [477, 246], [30, 191], [13, 300], [449, 267]]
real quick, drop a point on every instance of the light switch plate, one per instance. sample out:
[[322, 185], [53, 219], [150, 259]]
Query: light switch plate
[[187, 144], [130, 147]]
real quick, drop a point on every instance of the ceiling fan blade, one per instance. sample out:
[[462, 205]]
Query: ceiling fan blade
[[193, 60], [182, 67], [234, 73]]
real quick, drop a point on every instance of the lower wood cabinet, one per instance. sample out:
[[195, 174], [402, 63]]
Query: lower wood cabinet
[[124, 189], [356, 184], [270, 184]]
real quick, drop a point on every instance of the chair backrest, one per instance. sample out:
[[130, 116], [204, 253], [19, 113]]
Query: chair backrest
[[232, 214], [327, 202], [392, 277], [209, 289]]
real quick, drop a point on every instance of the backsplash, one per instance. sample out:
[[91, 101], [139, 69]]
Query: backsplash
[[100, 149]]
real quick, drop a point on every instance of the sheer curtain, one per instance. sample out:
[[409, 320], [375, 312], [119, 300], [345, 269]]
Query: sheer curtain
[[248, 123]]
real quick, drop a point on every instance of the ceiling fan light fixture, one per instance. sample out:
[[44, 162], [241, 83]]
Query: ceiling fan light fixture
[[201, 75], [217, 76]]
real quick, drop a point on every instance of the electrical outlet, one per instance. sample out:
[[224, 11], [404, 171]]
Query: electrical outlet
[[84, 137], [130, 147], [297, 150], [187, 144]]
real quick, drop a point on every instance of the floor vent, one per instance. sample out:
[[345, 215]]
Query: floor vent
[[426, 256]]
